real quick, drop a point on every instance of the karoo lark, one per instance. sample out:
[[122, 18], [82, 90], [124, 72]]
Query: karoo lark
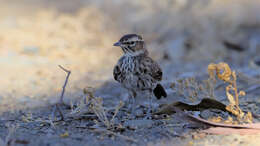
[[136, 71]]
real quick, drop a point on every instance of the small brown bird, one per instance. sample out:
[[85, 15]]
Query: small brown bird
[[136, 71]]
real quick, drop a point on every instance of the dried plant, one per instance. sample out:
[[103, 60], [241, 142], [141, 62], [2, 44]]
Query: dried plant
[[209, 86], [82, 106], [99, 110], [193, 90], [27, 118], [224, 73], [96, 106]]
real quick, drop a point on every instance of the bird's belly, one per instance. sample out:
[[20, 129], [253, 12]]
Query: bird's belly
[[135, 82], [130, 81], [133, 79]]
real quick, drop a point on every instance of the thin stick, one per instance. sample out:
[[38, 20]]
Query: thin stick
[[57, 105], [65, 83], [60, 112]]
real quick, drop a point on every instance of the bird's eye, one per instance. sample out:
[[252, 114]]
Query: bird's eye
[[128, 43]]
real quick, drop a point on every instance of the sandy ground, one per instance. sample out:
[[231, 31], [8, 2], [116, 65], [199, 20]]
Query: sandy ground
[[184, 37]]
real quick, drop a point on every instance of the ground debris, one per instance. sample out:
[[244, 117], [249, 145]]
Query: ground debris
[[104, 131], [206, 103], [64, 135]]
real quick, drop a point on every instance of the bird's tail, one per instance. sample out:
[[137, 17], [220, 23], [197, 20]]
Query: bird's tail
[[159, 91]]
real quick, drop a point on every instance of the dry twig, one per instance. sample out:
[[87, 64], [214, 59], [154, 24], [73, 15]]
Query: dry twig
[[57, 105], [65, 83]]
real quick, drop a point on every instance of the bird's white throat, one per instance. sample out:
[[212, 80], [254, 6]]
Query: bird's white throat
[[136, 53]]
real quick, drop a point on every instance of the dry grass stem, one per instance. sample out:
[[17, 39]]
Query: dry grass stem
[[57, 105], [193, 90], [65, 83]]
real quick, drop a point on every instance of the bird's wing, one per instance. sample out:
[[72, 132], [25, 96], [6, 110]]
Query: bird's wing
[[117, 72], [152, 68]]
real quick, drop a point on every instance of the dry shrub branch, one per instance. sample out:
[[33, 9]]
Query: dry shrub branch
[[223, 72]]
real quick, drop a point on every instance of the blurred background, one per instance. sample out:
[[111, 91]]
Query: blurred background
[[182, 35]]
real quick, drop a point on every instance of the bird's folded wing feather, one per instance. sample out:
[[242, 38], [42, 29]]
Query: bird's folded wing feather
[[153, 68], [117, 73]]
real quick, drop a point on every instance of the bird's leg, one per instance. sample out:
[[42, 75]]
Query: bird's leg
[[150, 106], [132, 96], [151, 101], [133, 105]]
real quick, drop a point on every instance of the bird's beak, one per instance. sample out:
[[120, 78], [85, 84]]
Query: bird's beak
[[117, 44]]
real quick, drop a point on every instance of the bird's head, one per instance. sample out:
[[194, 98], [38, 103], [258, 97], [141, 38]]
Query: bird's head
[[132, 45]]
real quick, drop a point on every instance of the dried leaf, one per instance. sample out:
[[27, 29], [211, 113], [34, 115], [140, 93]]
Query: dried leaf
[[205, 103], [228, 131], [64, 135], [206, 122], [242, 93]]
